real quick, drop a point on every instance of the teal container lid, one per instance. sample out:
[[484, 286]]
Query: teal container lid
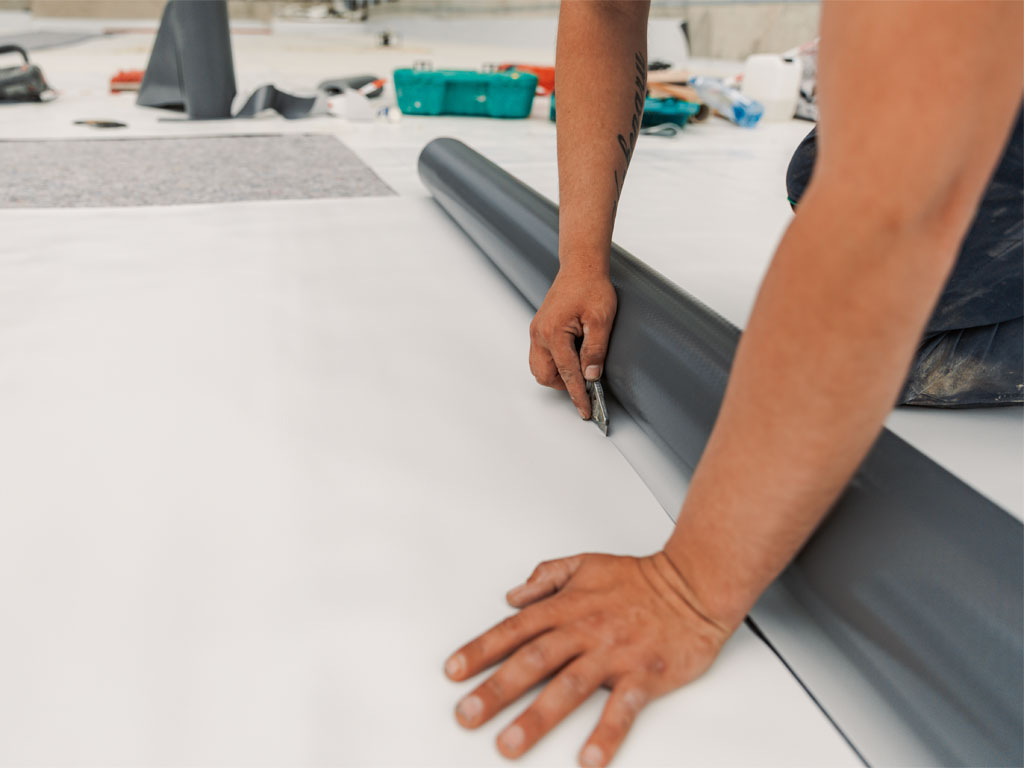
[[508, 78], [507, 94]]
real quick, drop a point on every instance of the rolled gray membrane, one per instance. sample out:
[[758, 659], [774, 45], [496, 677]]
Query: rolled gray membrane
[[910, 596]]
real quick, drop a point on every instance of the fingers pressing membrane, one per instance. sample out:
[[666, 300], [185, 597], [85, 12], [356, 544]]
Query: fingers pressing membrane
[[524, 669], [620, 711], [546, 579], [567, 361], [543, 368], [498, 642], [566, 691], [531, 592]]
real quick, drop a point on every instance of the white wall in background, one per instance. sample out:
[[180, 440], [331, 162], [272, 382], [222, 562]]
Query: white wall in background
[[664, 37]]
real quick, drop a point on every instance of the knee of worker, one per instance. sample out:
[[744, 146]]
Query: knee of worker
[[798, 176], [969, 368]]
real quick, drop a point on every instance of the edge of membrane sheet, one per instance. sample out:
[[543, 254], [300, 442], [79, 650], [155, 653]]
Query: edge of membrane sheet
[[903, 616]]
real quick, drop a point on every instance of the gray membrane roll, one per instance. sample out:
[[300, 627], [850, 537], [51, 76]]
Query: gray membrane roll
[[914, 576]]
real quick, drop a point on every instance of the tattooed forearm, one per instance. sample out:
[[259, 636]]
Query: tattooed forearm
[[627, 143]]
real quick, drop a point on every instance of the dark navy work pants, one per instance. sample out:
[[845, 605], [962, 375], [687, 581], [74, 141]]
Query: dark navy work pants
[[972, 353]]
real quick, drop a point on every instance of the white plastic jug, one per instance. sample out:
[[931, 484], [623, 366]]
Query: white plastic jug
[[773, 81]]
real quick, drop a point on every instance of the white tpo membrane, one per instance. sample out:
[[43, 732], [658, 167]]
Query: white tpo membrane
[[267, 464]]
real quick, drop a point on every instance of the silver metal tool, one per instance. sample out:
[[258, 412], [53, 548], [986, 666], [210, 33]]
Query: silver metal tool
[[598, 407]]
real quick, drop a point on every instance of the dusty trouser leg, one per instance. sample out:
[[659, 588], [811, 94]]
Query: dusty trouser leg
[[969, 367], [972, 353]]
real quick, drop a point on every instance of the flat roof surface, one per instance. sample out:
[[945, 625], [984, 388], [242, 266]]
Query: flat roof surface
[[705, 208]]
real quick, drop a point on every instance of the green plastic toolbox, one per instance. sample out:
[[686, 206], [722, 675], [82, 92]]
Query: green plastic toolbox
[[424, 91]]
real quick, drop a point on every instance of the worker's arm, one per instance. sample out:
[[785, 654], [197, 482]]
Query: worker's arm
[[854, 280], [600, 82], [917, 100]]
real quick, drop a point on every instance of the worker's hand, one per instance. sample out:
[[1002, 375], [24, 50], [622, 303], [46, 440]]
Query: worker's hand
[[576, 305], [590, 620]]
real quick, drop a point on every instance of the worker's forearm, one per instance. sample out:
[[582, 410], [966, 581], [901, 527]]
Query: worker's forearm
[[600, 84], [817, 371], [852, 284]]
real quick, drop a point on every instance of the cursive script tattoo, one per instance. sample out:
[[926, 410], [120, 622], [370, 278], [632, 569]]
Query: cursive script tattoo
[[628, 143]]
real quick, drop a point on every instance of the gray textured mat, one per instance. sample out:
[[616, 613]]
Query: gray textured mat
[[89, 173]]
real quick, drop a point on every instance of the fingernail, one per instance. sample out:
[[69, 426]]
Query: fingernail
[[512, 738], [455, 666], [593, 373], [469, 708], [515, 592], [592, 756], [582, 414]]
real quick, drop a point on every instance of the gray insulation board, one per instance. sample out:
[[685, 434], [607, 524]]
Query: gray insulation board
[[88, 173]]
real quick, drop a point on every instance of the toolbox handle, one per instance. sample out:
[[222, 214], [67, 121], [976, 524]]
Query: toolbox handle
[[14, 49]]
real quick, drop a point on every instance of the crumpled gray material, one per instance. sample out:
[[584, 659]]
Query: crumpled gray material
[[191, 68], [287, 105]]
